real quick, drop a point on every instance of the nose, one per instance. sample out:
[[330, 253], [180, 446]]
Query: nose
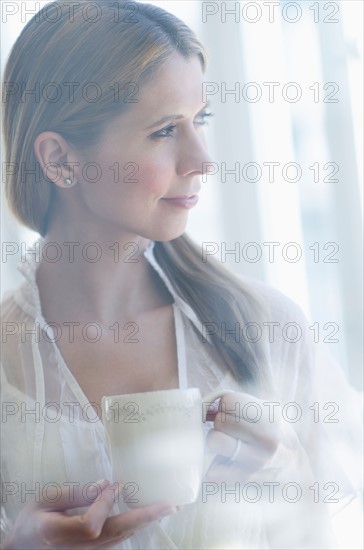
[[194, 157]]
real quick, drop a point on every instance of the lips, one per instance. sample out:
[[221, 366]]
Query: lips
[[182, 201], [181, 197]]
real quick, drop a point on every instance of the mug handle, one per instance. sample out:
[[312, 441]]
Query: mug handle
[[210, 398]]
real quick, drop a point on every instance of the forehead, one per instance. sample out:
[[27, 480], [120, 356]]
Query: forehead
[[176, 87], [176, 78]]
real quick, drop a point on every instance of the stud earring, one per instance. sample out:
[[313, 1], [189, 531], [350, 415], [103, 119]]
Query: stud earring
[[68, 181]]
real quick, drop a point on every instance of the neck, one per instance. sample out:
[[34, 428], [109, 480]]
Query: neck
[[103, 279]]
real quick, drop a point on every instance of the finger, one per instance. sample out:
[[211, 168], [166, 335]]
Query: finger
[[225, 445], [73, 496], [236, 472], [248, 432], [220, 472], [243, 416], [111, 543], [117, 526], [122, 526], [59, 528]]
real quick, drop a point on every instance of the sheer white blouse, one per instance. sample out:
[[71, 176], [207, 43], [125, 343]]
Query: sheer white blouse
[[46, 445]]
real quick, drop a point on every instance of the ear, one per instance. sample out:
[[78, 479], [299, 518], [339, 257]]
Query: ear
[[56, 158]]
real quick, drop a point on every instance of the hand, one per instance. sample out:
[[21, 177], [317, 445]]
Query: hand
[[44, 526], [261, 448]]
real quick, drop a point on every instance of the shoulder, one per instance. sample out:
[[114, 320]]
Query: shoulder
[[14, 323], [277, 305], [14, 305]]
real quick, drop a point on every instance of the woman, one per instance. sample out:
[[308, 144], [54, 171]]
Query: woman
[[104, 160]]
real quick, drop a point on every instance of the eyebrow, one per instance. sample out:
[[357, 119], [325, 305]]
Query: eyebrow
[[171, 118]]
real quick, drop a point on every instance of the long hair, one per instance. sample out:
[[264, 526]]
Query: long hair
[[123, 43]]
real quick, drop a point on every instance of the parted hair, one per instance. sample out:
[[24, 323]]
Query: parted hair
[[122, 42]]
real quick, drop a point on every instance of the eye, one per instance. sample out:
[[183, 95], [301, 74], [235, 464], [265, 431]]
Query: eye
[[165, 132], [168, 131], [204, 115]]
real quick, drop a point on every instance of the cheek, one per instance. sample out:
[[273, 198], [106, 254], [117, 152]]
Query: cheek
[[128, 184], [154, 178]]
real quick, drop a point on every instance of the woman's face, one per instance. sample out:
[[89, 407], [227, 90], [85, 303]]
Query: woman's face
[[145, 162]]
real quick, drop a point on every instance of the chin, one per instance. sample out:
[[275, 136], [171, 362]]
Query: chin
[[166, 234]]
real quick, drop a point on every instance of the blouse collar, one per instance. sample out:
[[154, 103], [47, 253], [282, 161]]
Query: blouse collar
[[30, 300]]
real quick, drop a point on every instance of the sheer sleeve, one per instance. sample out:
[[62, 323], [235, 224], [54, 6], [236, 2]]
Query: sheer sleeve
[[331, 415], [18, 396], [325, 411], [336, 410]]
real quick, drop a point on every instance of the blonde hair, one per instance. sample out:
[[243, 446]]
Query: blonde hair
[[111, 56], [58, 48]]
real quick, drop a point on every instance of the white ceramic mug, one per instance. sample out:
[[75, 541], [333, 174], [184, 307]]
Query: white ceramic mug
[[157, 444]]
